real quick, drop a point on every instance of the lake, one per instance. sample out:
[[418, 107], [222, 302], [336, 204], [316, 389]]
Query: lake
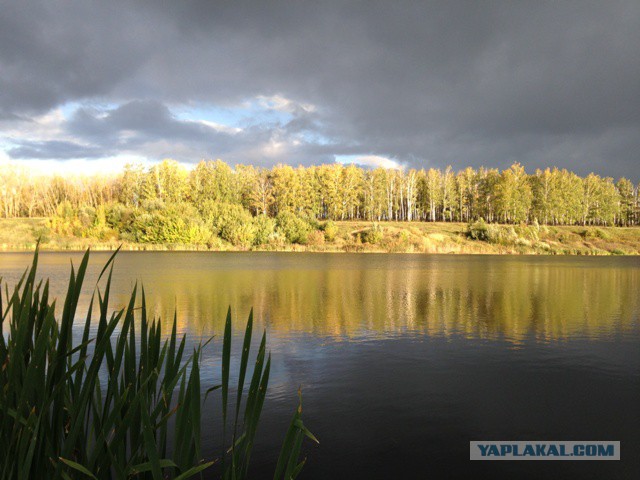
[[404, 359]]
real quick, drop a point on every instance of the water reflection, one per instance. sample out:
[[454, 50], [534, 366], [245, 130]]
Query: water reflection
[[405, 358], [346, 296]]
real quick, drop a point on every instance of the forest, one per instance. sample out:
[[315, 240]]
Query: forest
[[246, 205]]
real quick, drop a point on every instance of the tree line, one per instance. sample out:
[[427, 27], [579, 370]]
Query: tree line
[[329, 192]]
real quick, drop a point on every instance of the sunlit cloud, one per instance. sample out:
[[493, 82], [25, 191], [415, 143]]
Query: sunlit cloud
[[220, 127], [371, 161], [278, 102]]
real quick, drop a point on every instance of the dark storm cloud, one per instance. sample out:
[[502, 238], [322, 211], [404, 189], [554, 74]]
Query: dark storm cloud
[[427, 83], [52, 52]]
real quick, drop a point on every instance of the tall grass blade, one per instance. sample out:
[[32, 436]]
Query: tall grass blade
[[226, 360], [101, 403]]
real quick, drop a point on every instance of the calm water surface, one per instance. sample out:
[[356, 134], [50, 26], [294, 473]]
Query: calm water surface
[[403, 359]]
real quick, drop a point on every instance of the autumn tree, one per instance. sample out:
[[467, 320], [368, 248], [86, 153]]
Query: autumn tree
[[513, 194], [214, 180], [432, 192], [627, 194]]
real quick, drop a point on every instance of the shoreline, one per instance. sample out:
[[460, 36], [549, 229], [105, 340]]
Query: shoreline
[[44, 248], [20, 235], [367, 252]]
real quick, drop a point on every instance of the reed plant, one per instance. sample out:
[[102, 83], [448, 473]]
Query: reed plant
[[123, 399]]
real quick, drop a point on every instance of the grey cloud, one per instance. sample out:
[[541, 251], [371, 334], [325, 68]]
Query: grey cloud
[[139, 120], [150, 128], [428, 83], [140, 126], [59, 150]]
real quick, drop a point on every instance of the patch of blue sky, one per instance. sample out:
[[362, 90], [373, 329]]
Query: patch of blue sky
[[253, 112], [315, 138], [347, 159], [240, 116], [224, 116], [369, 161], [6, 144], [69, 108]]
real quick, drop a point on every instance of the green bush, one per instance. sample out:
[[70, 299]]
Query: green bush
[[543, 246], [263, 228], [99, 228], [173, 224], [276, 241], [528, 232], [42, 233], [506, 235], [503, 234], [373, 235], [230, 222], [65, 221], [353, 244], [119, 216], [86, 216], [313, 222], [65, 210], [479, 231], [330, 231], [398, 242], [294, 228], [591, 233]]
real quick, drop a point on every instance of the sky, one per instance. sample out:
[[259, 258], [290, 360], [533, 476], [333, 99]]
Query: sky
[[90, 86]]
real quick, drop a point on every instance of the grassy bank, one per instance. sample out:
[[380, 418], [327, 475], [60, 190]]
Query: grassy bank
[[416, 237]]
